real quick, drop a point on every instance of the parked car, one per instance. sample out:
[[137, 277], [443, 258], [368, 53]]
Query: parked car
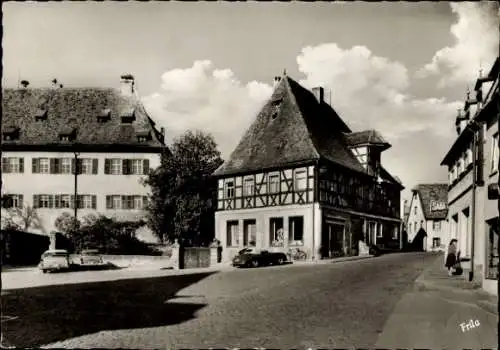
[[90, 257], [251, 257], [54, 260], [374, 250]]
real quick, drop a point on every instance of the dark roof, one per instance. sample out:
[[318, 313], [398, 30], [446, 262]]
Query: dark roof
[[386, 176], [433, 192], [292, 127], [367, 137], [77, 109]]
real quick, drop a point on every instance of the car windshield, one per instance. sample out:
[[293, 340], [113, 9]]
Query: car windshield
[[247, 251], [90, 252], [55, 254]]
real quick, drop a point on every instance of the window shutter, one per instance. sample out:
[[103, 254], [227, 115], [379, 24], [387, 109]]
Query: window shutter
[[5, 166], [57, 165], [125, 167], [94, 200], [21, 200], [51, 201], [57, 201], [35, 165], [53, 166], [124, 202], [72, 204], [73, 166], [145, 166], [35, 201], [107, 166], [21, 165], [95, 166], [109, 203], [144, 202], [79, 201]]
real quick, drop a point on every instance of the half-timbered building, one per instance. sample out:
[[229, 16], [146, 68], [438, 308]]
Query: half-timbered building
[[301, 181]]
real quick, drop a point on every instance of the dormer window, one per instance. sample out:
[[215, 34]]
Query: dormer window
[[143, 136], [10, 133], [128, 116], [276, 104], [67, 134], [40, 114], [104, 116]]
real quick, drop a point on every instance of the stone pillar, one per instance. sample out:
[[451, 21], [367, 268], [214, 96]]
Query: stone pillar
[[52, 238], [214, 252], [175, 258]]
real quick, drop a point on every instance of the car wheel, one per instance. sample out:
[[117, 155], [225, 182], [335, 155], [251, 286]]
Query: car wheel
[[44, 271], [280, 261], [254, 263]]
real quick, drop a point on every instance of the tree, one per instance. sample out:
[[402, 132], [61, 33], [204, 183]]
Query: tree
[[66, 223], [21, 218], [183, 191]]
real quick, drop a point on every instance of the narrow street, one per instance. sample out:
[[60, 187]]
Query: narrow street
[[317, 305]]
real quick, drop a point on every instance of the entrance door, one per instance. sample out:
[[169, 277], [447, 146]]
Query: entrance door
[[332, 240]]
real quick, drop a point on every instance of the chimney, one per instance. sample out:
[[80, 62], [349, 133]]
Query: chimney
[[276, 81], [162, 131], [319, 93], [127, 84]]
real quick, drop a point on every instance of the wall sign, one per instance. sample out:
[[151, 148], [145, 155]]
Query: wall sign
[[436, 205]]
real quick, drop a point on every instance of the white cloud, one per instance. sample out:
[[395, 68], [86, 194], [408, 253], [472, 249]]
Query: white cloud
[[371, 92], [204, 98], [476, 43]]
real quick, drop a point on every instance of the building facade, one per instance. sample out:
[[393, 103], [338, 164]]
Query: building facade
[[300, 181], [472, 163], [83, 147], [427, 224]]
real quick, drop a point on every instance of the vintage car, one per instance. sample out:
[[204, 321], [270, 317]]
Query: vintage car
[[90, 257], [251, 257], [54, 260]]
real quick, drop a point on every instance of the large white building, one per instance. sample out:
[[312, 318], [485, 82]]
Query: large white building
[[301, 181], [47, 131]]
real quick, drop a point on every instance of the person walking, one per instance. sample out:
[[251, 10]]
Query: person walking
[[451, 257]]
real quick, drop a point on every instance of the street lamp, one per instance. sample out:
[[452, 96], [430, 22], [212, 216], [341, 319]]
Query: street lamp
[[75, 202]]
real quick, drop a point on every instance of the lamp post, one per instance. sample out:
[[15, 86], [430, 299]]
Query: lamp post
[[75, 202]]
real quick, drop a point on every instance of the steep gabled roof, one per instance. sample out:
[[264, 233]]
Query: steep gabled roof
[[77, 109], [386, 176], [291, 128], [433, 192], [367, 138]]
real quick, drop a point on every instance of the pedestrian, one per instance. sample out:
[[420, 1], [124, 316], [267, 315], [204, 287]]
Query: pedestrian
[[451, 257]]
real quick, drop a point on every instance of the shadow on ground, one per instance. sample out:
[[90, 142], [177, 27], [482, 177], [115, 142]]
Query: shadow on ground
[[49, 314]]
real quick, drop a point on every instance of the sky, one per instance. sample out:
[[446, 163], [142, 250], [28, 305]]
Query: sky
[[401, 68]]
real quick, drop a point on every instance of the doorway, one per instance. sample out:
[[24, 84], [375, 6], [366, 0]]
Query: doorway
[[332, 240]]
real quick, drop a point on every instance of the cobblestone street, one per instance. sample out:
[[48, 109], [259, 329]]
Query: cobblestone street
[[317, 305]]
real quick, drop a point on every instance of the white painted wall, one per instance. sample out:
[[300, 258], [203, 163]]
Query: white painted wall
[[416, 216], [262, 217], [100, 184]]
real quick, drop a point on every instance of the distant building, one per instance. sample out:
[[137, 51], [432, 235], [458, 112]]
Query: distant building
[[301, 180], [104, 134], [472, 163], [426, 223]]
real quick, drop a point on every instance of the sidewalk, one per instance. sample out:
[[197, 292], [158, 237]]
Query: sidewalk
[[431, 313]]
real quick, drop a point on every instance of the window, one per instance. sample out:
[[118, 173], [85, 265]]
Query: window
[[421, 223], [461, 167], [249, 233], [86, 166], [415, 211], [276, 237], [436, 242], [274, 183], [468, 157], [380, 230], [86, 201], [229, 189], [436, 225], [395, 232], [492, 263], [136, 166], [300, 180], [66, 165], [65, 201], [125, 202], [248, 188], [494, 154], [17, 201], [232, 236], [138, 202], [42, 201], [415, 227], [40, 166], [296, 230], [116, 166], [12, 165], [114, 202]]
